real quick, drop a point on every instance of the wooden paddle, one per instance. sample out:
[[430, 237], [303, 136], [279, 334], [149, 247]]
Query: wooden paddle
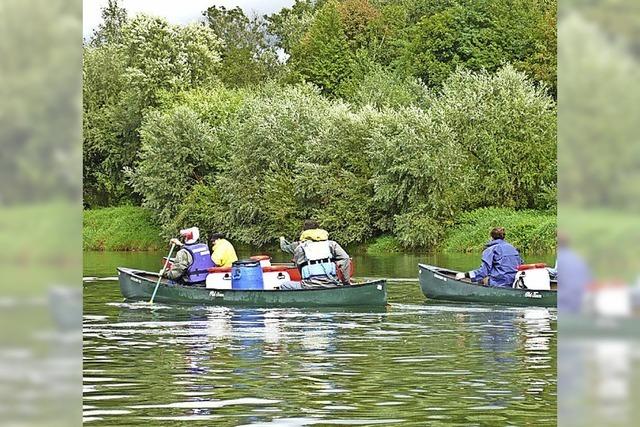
[[173, 245]]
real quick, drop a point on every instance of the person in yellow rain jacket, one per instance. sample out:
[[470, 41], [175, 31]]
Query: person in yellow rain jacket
[[310, 231], [223, 253]]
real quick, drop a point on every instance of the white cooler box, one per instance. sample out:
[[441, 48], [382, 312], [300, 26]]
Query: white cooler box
[[222, 280], [535, 279]]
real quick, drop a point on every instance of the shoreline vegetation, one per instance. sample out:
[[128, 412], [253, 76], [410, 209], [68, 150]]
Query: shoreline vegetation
[[131, 228], [375, 119]]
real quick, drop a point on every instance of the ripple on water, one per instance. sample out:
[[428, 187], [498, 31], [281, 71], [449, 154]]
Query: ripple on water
[[302, 422], [202, 404], [439, 363]]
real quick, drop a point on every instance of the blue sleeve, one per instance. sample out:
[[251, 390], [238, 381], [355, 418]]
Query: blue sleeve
[[482, 272]]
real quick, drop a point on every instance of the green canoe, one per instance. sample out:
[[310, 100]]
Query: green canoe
[[440, 284], [139, 285]]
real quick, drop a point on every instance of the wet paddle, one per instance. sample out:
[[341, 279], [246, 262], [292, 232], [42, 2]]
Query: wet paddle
[[161, 273]]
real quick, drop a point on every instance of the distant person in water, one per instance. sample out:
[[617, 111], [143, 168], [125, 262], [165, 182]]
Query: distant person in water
[[318, 259], [310, 231], [192, 261], [500, 261], [223, 254]]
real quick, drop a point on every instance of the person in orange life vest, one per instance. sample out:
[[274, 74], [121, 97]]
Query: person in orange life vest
[[192, 261]]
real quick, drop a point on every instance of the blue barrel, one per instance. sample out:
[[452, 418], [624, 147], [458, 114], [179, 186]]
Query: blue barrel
[[246, 274]]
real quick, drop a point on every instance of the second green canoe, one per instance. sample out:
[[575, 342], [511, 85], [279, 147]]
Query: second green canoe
[[440, 284]]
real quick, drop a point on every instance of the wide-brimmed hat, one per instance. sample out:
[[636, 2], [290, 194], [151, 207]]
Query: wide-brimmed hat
[[191, 235]]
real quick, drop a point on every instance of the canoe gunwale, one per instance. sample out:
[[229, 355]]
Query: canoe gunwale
[[133, 272]]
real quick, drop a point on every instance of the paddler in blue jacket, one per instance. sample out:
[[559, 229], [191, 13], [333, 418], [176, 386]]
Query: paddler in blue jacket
[[500, 261], [192, 261]]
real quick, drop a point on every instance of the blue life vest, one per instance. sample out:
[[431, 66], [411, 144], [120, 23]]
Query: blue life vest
[[199, 268], [318, 260]]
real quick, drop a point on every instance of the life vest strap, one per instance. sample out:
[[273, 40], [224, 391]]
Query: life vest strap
[[316, 261]]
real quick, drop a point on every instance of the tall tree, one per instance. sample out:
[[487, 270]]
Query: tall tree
[[323, 55], [123, 79], [114, 18], [248, 57]]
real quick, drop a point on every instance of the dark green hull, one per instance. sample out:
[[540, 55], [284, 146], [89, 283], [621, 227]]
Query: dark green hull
[[440, 284], [139, 285]]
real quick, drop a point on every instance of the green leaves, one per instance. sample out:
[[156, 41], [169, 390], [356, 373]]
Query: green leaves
[[407, 117], [323, 55], [178, 151], [484, 35], [247, 56], [487, 140], [261, 162], [126, 67]]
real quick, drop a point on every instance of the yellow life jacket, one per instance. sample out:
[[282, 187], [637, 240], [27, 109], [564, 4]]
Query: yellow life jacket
[[316, 234], [223, 253]]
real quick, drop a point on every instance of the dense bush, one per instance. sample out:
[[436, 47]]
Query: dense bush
[[377, 118], [278, 156], [487, 140], [178, 150], [183, 145], [382, 88], [298, 155]]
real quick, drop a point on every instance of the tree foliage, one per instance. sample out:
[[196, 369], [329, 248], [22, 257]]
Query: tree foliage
[[125, 68], [323, 55], [289, 24], [485, 34], [248, 58], [284, 155], [387, 118]]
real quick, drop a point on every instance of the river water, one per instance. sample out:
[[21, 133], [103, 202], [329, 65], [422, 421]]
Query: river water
[[412, 363]]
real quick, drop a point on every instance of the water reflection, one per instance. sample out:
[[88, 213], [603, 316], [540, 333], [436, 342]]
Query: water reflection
[[408, 364], [243, 366]]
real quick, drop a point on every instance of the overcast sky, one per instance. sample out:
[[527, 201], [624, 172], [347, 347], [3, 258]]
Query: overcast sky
[[177, 12]]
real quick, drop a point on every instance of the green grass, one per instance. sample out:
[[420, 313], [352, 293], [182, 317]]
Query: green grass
[[122, 228], [384, 245], [530, 231], [607, 239]]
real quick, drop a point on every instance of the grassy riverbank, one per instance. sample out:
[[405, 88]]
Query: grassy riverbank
[[122, 228], [130, 228], [530, 231]]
